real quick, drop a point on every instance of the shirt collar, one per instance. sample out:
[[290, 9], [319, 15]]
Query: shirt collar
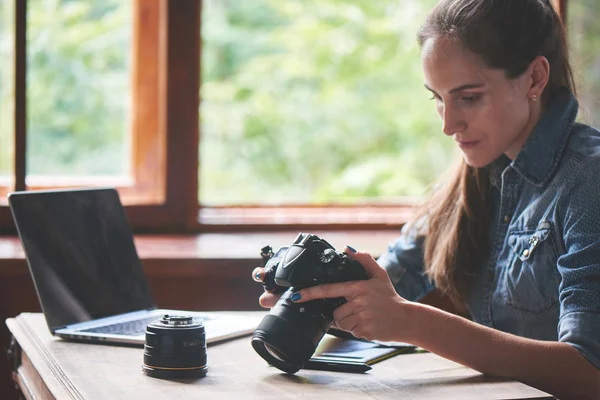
[[539, 157], [496, 168]]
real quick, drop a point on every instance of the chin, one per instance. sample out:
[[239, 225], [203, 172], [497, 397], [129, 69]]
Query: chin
[[477, 161]]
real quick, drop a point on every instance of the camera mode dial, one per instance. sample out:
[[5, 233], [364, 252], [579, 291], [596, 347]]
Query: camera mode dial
[[328, 256]]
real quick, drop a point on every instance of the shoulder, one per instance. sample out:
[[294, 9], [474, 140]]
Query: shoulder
[[584, 143], [580, 170], [581, 161]]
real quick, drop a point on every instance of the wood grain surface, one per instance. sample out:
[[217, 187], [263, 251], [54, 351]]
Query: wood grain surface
[[89, 371]]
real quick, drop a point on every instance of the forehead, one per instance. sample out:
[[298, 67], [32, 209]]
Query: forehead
[[446, 64]]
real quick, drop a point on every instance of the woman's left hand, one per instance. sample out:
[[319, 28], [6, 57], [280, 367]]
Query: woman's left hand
[[373, 310]]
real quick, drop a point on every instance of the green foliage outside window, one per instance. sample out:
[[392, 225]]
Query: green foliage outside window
[[78, 81], [6, 88], [583, 31], [78, 87], [316, 101]]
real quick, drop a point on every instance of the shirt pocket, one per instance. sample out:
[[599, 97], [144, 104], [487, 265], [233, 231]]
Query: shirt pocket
[[531, 277]]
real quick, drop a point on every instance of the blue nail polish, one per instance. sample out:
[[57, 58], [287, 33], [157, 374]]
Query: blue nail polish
[[257, 276], [295, 297], [352, 249]]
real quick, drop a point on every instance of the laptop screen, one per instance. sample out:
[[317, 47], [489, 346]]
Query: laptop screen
[[81, 254]]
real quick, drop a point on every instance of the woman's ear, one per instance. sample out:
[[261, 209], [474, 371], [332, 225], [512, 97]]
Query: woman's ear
[[539, 73]]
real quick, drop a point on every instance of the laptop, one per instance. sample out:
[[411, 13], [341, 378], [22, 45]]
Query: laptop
[[87, 274]]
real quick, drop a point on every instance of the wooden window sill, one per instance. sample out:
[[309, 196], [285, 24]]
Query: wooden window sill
[[209, 271], [172, 254]]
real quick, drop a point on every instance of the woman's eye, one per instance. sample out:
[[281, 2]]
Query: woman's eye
[[470, 99]]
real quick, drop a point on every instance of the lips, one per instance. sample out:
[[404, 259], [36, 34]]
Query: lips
[[467, 144]]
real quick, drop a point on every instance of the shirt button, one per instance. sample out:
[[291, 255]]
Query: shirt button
[[507, 218], [525, 252]]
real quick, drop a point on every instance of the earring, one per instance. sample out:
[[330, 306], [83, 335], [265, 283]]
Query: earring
[[534, 98]]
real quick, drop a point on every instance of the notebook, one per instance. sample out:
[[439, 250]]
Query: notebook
[[340, 351], [86, 271]]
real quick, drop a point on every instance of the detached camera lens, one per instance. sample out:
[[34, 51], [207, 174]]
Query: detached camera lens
[[175, 348]]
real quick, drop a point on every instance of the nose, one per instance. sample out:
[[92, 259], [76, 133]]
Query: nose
[[453, 121]]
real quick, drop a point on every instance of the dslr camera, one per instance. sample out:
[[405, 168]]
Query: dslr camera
[[288, 336]]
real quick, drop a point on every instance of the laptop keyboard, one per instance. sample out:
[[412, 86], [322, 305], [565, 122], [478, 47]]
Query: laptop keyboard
[[130, 328]]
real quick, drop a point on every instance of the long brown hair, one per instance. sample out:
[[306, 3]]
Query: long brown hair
[[508, 35]]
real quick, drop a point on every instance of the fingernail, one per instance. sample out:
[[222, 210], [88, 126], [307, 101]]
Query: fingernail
[[257, 276], [295, 297], [352, 249]]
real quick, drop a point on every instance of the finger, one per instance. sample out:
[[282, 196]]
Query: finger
[[258, 274], [268, 300], [359, 333], [367, 261], [348, 324], [326, 291], [343, 311]]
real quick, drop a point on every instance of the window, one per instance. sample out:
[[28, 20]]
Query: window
[[123, 76], [315, 108], [315, 102], [7, 81], [78, 91], [328, 116], [584, 41]]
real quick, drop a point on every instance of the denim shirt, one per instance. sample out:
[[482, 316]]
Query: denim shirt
[[542, 278]]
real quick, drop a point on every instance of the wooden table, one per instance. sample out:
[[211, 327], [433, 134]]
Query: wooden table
[[47, 367]]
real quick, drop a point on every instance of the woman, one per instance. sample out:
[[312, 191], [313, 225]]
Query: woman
[[513, 238]]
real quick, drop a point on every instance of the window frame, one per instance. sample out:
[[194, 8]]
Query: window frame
[[165, 87], [332, 217], [165, 132]]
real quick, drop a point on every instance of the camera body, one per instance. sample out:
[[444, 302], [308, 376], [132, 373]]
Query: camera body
[[288, 336], [309, 261]]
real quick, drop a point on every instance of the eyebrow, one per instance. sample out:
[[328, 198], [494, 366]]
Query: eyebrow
[[459, 88]]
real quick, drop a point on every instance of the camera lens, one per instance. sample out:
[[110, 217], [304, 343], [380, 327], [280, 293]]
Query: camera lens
[[175, 348], [275, 353], [288, 336]]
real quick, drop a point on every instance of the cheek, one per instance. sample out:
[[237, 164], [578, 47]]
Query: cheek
[[516, 116], [504, 121]]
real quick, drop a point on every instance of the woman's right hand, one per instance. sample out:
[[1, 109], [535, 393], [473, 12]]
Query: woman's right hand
[[266, 300]]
